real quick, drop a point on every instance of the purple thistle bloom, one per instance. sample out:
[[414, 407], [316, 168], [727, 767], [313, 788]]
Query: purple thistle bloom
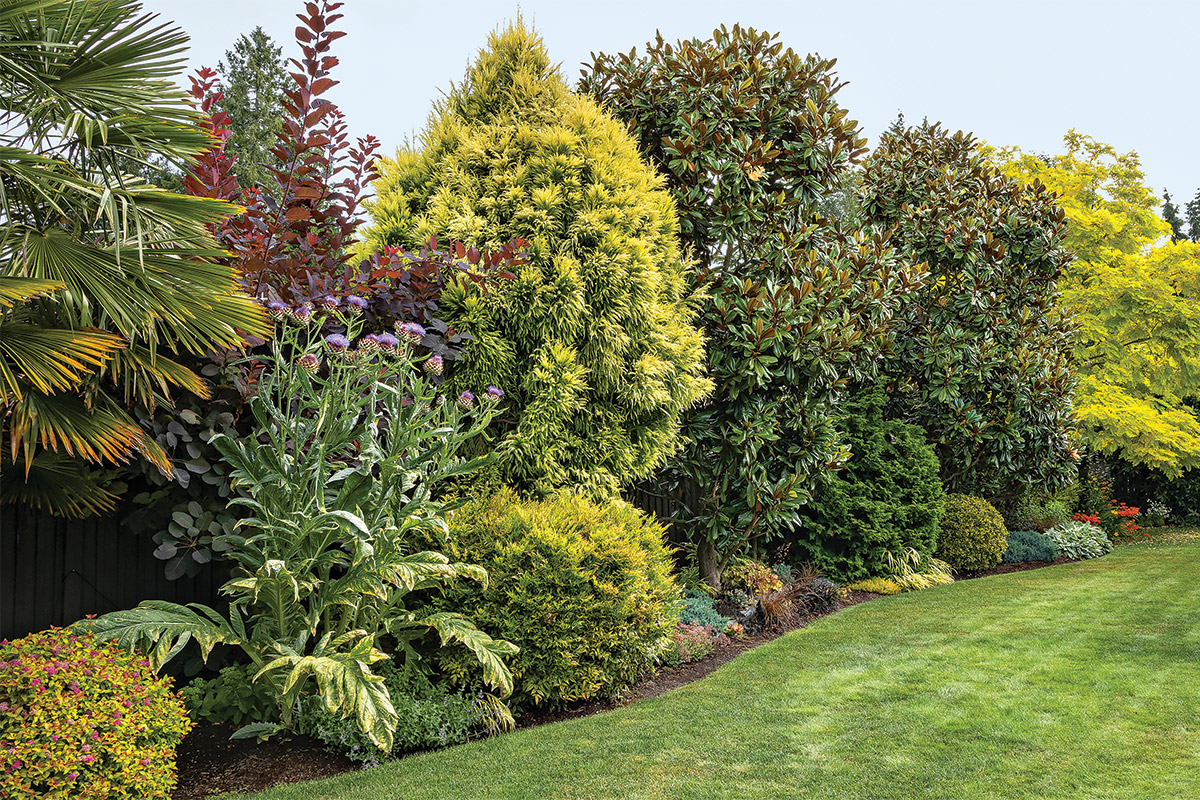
[[466, 399], [355, 304], [309, 363], [302, 313], [387, 343], [494, 392], [277, 310], [337, 343], [434, 365], [369, 343], [328, 302], [411, 331]]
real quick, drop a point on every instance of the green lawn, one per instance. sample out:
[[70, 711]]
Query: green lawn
[[1077, 681]]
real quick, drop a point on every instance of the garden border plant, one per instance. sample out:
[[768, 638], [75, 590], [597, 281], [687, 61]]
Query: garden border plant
[[351, 447]]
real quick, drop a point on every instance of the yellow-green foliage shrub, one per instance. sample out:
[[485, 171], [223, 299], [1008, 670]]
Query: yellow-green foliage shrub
[[876, 585], [755, 577], [585, 591], [971, 534], [81, 719], [593, 341]]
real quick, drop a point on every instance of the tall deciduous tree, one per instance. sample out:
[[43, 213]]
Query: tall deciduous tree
[[982, 357], [751, 139], [104, 278], [1136, 300], [253, 79]]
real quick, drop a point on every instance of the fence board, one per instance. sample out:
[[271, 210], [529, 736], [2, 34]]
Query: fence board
[[54, 571]]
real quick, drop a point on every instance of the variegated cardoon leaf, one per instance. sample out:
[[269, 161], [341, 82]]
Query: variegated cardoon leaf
[[345, 684], [162, 629], [489, 651]]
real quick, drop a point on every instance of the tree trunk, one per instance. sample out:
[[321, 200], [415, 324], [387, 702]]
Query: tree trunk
[[708, 564]]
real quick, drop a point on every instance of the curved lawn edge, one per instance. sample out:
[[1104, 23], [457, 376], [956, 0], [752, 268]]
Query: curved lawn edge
[[1077, 680]]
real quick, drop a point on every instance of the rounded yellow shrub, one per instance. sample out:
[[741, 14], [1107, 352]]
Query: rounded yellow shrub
[[971, 534], [585, 590]]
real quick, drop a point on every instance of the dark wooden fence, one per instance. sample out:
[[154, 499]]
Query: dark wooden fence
[[55, 571], [663, 506]]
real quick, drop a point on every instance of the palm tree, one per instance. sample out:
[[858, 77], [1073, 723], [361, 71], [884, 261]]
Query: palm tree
[[104, 279]]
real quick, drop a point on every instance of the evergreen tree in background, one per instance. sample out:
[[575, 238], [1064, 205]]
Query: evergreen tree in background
[[252, 79], [1193, 217], [1171, 215]]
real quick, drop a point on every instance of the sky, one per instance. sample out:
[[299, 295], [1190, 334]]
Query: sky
[[1015, 73]]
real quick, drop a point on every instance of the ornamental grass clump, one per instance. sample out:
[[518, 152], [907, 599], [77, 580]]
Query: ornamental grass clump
[[83, 719], [593, 340], [912, 571]]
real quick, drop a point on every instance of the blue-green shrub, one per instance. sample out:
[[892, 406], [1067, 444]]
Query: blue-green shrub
[[1029, 546], [698, 607]]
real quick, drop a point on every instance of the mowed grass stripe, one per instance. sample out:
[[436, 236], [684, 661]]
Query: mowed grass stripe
[[1077, 681]]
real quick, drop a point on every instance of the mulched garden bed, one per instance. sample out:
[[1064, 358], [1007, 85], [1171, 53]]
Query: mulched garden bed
[[210, 763], [1002, 569]]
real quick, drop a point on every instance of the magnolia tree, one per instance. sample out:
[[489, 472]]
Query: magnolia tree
[[982, 359], [751, 141]]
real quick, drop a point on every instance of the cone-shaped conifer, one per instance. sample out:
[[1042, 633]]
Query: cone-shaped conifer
[[593, 341]]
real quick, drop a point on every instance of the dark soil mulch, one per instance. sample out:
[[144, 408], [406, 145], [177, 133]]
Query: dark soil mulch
[[1002, 569], [210, 763]]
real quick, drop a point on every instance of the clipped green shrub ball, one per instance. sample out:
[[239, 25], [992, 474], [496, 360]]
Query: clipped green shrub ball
[[593, 340], [972, 533], [585, 591], [83, 719]]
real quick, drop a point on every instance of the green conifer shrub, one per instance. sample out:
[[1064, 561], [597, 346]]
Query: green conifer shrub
[[971, 533], [584, 590], [887, 499], [593, 340]]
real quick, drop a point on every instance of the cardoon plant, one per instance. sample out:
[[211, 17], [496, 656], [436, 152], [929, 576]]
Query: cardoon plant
[[352, 443]]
